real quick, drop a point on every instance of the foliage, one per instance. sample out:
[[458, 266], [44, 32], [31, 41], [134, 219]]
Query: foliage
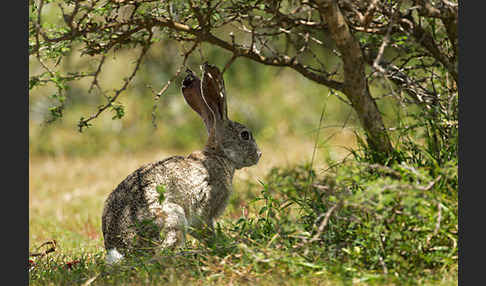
[[397, 219]]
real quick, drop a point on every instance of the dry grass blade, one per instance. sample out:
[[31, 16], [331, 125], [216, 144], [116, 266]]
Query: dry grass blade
[[90, 280]]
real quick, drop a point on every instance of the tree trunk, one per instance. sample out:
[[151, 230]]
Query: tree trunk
[[371, 120], [355, 83]]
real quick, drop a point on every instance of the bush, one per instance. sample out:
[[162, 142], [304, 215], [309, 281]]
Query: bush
[[362, 220], [396, 219]]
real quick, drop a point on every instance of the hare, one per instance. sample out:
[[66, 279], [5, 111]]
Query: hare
[[157, 204]]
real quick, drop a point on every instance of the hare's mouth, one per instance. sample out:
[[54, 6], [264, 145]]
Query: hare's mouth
[[243, 161]]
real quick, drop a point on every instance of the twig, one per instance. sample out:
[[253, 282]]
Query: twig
[[385, 269], [386, 39], [382, 262], [323, 224], [38, 27], [309, 183], [368, 16], [229, 63], [167, 84], [98, 70], [186, 56], [45, 252], [437, 224], [439, 217], [430, 185]]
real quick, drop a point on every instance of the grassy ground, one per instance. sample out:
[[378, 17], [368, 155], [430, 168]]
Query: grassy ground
[[66, 196]]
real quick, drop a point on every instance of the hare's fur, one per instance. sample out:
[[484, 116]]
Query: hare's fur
[[156, 205]]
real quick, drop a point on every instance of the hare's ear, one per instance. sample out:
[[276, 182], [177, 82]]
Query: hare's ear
[[191, 89], [213, 91]]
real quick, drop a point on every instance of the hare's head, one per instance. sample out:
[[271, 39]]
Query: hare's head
[[228, 138]]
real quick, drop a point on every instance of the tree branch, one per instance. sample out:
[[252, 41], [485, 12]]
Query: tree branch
[[426, 40], [238, 50]]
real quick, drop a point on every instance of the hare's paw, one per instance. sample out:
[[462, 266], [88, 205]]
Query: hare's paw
[[173, 238]]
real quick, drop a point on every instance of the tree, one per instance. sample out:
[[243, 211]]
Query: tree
[[407, 47]]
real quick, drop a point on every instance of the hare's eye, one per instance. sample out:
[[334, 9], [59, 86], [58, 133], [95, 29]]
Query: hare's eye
[[245, 135]]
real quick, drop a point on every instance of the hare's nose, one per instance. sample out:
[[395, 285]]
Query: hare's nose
[[259, 154]]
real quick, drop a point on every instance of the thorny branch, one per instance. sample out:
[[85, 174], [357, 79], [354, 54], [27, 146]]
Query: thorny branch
[[298, 35]]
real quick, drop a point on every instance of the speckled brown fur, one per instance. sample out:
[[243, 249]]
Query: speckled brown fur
[[196, 188]]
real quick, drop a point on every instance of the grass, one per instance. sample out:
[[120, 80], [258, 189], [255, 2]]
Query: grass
[[66, 198]]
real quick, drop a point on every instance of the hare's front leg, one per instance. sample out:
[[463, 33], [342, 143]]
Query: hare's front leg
[[175, 225]]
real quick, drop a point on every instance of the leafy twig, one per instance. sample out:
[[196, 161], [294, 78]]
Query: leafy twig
[[85, 122]]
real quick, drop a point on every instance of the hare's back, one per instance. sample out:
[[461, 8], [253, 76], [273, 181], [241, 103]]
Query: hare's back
[[132, 191]]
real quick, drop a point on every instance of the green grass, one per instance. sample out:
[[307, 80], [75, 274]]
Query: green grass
[[266, 235], [198, 267]]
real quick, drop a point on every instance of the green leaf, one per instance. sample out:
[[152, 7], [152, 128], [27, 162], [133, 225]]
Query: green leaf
[[161, 190], [119, 111]]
